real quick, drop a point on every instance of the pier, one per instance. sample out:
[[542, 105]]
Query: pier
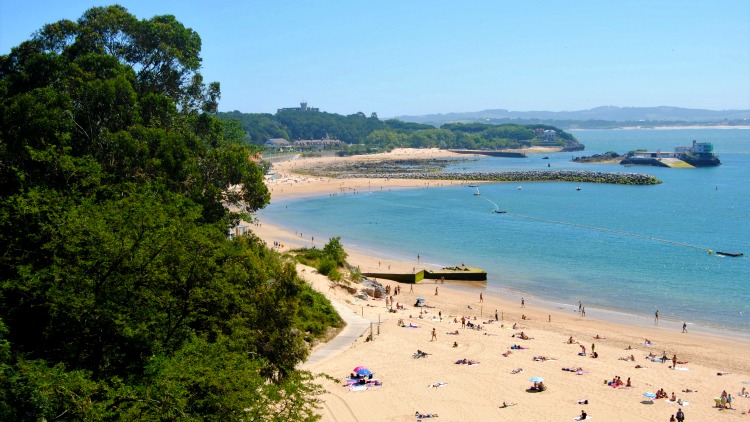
[[460, 272]]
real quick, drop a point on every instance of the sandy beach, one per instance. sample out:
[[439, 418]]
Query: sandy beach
[[707, 363]]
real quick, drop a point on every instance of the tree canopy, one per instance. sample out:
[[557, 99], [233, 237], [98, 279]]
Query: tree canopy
[[121, 295], [369, 134]]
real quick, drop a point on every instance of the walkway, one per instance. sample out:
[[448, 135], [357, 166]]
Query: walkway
[[355, 327]]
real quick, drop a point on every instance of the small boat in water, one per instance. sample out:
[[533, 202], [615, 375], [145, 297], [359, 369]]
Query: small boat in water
[[725, 253], [578, 188], [499, 211]]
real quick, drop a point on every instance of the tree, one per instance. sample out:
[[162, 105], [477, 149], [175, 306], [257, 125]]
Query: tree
[[121, 294]]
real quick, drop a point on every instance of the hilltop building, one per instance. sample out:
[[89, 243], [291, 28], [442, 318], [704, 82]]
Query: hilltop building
[[302, 107]]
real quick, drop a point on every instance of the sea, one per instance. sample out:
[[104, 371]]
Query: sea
[[623, 251]]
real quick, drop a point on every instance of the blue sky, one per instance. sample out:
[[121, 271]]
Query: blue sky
[[413, 57]]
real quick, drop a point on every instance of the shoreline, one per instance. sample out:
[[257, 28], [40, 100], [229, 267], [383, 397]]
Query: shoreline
[[474, 393]]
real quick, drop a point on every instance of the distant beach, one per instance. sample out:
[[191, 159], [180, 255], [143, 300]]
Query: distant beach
[[476, 393]]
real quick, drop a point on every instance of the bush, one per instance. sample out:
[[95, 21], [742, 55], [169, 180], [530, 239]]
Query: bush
[[326, 266]]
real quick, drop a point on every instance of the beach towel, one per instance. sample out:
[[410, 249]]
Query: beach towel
[[682, 368], [438, 384], [357, 388], [579, 418]]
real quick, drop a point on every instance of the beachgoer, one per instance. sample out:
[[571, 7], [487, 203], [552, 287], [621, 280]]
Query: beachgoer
[[434, 335], [672, 419], [455, 344], [592, 347], [436, 291], [680, 416], [656, 316], [729, 401], [627, 383], [570, 340], [674, 361], [583, 311], [684, 327], [583, 415], [496, 318], [481, 299], [583, 350], [523, 303]]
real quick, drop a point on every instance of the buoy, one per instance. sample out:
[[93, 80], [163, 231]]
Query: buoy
[[710, 251]]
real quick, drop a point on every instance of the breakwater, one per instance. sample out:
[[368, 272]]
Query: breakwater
[[522, 176]]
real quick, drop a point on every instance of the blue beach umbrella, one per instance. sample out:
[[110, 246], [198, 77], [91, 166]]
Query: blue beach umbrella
[[364, 372], [536, 379]]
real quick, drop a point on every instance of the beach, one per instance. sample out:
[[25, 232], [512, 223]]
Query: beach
[[435, 384]]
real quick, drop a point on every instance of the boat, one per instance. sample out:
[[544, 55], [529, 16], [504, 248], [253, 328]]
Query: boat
[[520, 187], [578, 188], [473, 186], [477, 193], [545, 158], [725, 253], [499, 211]]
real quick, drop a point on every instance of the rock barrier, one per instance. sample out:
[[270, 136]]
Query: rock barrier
[[522, 176]]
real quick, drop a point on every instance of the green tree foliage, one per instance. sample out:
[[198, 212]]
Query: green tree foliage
[[121, 296]]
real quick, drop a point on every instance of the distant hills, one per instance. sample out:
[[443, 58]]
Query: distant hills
[[599, 117]]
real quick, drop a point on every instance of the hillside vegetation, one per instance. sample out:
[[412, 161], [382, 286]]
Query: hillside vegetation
[[122, 297]]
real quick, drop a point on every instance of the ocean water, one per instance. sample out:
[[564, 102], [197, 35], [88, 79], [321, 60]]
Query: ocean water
[[626, 249]]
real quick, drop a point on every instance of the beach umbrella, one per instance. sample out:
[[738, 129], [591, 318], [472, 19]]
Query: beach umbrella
[[420, 298], [358, 368], [536, 379], [364, 372]]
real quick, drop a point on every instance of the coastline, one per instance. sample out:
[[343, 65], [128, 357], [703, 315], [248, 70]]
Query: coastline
[[549, 322]]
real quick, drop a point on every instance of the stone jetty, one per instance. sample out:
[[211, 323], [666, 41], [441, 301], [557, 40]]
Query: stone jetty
[[522, 176]]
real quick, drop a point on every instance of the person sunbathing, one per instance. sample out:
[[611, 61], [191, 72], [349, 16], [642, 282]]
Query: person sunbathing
[[517, 371], [507, 353], [425, 415], [509, 404], [453, 333], [541, 358]]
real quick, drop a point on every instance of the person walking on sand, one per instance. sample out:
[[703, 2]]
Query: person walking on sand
[[523, 303], [674, 361], [436, 291], [684, 327], [481, 298], [434, 335], [496, 319], [680, 416]]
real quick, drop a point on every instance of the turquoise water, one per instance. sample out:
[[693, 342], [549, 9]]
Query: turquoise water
[[651, 255]]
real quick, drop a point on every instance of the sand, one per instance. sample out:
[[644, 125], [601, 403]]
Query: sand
[[476, 392]]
